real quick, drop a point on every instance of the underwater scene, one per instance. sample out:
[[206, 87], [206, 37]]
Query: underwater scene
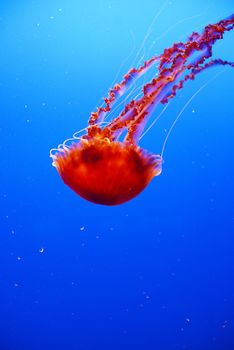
[[117, 173]]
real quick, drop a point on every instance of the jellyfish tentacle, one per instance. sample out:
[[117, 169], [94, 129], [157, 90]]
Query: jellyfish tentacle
[[118, 89], [171, 67]]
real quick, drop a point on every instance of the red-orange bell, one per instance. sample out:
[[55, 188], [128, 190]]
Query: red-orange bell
[[106, 172]]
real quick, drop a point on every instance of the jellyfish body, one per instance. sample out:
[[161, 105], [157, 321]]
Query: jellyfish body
[[104, 170]]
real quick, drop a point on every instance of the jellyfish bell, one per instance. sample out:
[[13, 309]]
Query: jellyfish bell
[[106, 172]]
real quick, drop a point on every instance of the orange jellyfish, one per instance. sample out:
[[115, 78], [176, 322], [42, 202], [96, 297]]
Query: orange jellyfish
[[97, 165]]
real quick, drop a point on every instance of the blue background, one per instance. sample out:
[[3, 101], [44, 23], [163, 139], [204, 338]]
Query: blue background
[[155, 273]]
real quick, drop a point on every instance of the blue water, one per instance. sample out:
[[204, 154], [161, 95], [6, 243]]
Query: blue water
[[155, 273]]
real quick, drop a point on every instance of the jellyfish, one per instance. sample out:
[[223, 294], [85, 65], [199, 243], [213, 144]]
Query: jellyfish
[[106, 165]]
